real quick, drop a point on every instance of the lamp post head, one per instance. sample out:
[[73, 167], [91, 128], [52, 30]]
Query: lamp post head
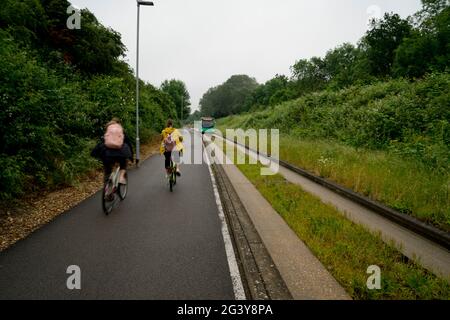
[[144, 3]]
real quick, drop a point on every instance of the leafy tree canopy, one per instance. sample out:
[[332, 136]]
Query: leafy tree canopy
[[176, 89], [228, 98]]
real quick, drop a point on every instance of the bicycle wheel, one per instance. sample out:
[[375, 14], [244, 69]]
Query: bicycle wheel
[[171, 174], [123, 189], [174, 175], [108, 197]]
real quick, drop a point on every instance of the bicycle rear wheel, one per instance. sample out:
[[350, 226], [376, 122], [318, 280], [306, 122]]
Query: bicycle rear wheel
[[174, 170], [171, 176], [108, 197], [171, 180]]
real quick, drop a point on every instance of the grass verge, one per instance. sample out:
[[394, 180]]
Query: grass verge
[[345, 248], [402, 184]]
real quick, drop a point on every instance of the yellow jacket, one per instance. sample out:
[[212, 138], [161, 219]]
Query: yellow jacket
[[175, 135]]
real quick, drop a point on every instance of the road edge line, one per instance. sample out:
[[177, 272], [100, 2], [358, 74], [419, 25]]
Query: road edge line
[[238, 288]]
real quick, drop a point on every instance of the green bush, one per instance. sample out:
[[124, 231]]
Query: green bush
[[52, 114], [408, 118], [12, 178]]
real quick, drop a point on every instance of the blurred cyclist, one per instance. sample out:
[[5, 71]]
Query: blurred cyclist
[[114, 147], [171, 143]]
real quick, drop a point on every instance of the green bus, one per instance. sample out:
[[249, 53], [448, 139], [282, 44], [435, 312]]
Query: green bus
[[208, 124]]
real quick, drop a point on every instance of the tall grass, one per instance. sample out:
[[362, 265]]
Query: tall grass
[[389, 141], [405, 185], [346, 249]]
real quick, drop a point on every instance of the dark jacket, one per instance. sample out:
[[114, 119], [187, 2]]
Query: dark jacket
[[102, 152]]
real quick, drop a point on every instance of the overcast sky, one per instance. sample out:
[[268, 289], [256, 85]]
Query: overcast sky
[[204, 42]]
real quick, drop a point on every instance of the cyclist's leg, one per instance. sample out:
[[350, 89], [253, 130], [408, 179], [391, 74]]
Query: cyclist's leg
[[107, 168], [176, 159], [167, 156], [123, 169]]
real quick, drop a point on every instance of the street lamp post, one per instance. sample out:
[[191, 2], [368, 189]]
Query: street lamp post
[[139, 3]]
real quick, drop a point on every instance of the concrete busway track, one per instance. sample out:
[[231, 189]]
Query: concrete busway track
[[258, 229]]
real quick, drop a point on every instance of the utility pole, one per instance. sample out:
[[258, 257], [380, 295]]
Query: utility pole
[[139, 3]]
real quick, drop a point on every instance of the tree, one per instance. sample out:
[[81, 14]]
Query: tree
[[176, 89], [274, 91], [309, 75], [59, 87], [426, 18], [231, 97], [344, 66], [95, 48], [381, 42], [427, 48], [196, 116], [414, 56], [27, 21]]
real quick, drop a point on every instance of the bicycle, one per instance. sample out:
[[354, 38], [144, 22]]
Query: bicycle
[[113, 191], [172, 174]]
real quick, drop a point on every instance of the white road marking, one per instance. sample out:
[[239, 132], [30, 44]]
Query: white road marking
[[238, 288]]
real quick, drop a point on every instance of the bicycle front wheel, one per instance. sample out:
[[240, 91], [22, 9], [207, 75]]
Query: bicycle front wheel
[[108, 197], [123, 189]]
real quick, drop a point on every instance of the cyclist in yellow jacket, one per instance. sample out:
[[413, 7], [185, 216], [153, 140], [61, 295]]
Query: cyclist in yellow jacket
[[171, 143]]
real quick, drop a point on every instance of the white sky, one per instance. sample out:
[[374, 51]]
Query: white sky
[[204, 42]]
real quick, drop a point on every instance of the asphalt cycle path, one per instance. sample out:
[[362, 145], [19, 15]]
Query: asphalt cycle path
[[154, 245]]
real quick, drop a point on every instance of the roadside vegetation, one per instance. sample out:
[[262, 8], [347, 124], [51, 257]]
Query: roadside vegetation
[[58, 89], [389, 141], [346, 249], [374, 117], [392, 48]]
